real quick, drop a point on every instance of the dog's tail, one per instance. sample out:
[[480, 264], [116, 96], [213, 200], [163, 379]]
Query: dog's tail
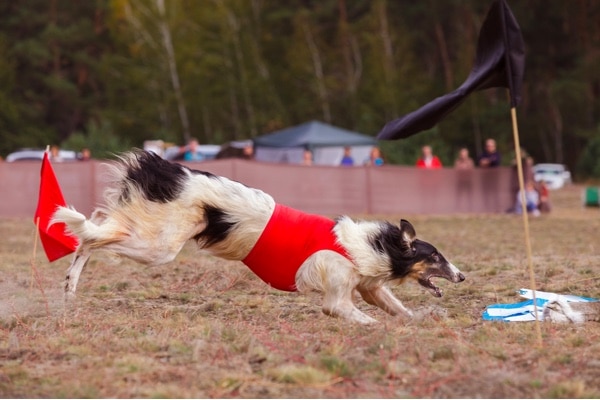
[[78, 225]]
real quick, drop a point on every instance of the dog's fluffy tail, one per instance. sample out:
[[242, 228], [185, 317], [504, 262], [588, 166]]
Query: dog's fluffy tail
[[77, 224]]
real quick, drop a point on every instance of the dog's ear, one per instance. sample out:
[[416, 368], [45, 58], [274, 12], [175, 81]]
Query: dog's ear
[[407, 230], [407, 236]]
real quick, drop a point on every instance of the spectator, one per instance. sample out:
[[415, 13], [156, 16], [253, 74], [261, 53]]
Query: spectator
[[428, 160], [307, 158], [544, 205], [243, 150], [347, 158], [490, 157], [375, 158], [190, 151], [464, 166], [464, 161], [248, 152], [85, 154], [527, 165], [55, 154], [532, 200], [528, 169]]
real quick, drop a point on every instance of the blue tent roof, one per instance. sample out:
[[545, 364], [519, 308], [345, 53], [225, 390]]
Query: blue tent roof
[[313, 134]]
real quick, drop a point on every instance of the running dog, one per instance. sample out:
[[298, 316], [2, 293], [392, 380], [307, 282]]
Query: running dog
[[154, 207]]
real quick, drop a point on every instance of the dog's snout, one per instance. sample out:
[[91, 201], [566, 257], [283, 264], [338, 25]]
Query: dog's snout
[[456, 275]]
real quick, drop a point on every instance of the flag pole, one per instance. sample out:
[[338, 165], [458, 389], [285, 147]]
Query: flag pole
[[35, 241], [513, 114], [515, 129]]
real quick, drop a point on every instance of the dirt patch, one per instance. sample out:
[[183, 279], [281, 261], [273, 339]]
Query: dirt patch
[[203, 327]]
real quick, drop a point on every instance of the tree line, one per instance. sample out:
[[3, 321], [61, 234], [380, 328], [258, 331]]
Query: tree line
[[109, 74]]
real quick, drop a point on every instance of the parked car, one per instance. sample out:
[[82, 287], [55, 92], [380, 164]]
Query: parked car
[[555, 175], [37, 154]]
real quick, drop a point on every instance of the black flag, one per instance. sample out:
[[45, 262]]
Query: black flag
[[499, 62]]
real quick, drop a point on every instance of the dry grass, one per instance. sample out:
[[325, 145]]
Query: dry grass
[[203, 327]]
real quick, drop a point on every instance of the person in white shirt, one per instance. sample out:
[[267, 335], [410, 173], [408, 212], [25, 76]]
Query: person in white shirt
[[532, 200]]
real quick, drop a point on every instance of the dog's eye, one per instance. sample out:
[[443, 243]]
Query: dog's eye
[[436, 257]]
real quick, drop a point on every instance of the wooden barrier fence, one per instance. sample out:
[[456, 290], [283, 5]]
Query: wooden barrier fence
[[317, 189]]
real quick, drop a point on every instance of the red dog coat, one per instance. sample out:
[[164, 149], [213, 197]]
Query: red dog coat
[[290, 237]]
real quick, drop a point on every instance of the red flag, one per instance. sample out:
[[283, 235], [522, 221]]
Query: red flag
[[56, 242], [499, 62]]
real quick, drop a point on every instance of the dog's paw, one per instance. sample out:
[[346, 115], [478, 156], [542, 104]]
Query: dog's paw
[[69, 295], [349, 313], [363, 319], [69, 290]]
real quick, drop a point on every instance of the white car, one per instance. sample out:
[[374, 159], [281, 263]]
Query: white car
[[555, 175], [36, 154]]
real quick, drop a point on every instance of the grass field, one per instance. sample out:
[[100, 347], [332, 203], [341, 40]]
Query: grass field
[[203, 327]]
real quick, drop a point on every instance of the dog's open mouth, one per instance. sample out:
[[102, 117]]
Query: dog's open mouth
[[428, 284]]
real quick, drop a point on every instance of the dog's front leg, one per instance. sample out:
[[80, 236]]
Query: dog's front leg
[[343, 307], [382, 297], [337, 300], [336, 278], [79, 261]]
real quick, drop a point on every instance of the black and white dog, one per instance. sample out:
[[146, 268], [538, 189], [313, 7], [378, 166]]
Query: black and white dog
[[155, 207]]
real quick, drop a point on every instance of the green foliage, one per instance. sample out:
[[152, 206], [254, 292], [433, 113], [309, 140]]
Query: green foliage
[[246, 68], [336, 366], [100, 138], [589, 163]]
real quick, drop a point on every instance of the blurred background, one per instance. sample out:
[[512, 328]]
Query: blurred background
[[111, 74]]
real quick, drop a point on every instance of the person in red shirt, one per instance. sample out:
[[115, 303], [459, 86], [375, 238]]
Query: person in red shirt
[[428, 160], [544, 204]]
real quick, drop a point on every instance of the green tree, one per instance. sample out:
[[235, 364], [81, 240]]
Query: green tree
[[54, 49], [589, 162], [233, 69]]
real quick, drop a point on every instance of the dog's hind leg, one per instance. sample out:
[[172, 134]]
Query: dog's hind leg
[[79, 261], [382, 297]]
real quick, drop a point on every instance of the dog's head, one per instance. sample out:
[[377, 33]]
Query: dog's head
[[417, 259]]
